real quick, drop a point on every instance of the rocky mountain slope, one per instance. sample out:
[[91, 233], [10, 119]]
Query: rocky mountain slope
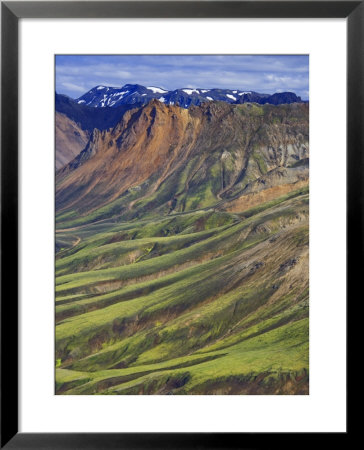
[[74, 123], [160, 159]]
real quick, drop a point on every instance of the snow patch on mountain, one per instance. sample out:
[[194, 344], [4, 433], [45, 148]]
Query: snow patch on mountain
[[190, 91], [156, 90]]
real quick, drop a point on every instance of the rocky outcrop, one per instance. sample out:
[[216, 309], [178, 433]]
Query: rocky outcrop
[[168, 158]]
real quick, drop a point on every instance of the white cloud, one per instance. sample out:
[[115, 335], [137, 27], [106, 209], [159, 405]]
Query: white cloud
[[73, 87]]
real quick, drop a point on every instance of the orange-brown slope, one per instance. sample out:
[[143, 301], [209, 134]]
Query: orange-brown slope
[[146, 140], [203, 154]]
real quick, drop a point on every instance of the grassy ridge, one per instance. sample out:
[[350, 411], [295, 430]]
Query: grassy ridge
[[274, 356], [191, 303]]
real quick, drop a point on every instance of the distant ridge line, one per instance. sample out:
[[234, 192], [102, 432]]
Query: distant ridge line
[[106, 96]]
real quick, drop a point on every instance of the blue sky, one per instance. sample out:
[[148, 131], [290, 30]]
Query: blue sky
[[76, 74]]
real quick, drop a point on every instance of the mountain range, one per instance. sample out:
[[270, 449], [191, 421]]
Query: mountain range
[[129, 94], [226, 148], [182, 235], [102, 107]]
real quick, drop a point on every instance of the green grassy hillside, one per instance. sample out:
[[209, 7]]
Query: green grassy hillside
[[204, 302]]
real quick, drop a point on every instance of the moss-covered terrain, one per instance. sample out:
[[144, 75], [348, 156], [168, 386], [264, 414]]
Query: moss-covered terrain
[[202, 303]]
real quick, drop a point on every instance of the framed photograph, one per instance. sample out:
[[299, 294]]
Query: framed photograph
[[181, 221]]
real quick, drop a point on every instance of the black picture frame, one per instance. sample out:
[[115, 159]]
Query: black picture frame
[[11, 12]]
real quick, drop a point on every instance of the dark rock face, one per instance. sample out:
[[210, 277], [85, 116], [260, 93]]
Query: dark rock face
[[281, 98], [88, 117]]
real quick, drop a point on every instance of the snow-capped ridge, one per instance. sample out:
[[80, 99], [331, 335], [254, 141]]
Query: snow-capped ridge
[[105, 96]]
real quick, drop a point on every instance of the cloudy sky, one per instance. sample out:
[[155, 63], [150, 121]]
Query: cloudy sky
[[76, 74]]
